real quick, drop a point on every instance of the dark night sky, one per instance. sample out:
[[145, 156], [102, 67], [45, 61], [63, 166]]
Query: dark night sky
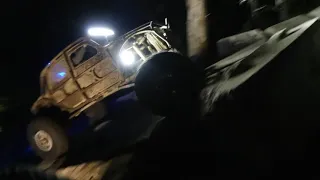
[[36, 31]]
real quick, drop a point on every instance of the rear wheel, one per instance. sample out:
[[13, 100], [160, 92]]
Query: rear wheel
[[47, 138], [167, 82]]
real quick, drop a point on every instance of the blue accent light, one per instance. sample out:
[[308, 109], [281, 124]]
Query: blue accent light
[[61, 74]]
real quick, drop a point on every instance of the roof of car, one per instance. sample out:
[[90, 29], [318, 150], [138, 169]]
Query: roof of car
[[84, 39]]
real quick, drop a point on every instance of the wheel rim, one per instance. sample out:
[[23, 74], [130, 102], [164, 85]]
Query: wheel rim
[[43, 141]]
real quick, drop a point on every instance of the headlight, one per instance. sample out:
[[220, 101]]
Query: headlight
[[127, 57]]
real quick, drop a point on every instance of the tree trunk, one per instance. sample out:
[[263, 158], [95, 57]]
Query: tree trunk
[[196, 27]]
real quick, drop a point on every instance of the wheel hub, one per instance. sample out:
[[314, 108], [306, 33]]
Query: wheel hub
[[43, 141]]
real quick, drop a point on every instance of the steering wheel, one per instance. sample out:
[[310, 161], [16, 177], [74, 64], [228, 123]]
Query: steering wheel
[[27, 173]]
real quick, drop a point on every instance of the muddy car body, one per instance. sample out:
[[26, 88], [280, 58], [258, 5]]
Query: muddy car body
[[84, 75], [74, 84]]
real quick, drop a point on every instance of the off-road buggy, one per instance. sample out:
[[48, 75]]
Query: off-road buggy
[[86, 72], [238, 72]]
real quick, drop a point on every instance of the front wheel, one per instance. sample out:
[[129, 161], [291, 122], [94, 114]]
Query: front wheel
[[167, 82], [47, 138]]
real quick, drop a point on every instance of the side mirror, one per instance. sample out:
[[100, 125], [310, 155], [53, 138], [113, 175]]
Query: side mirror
[[166, 22]]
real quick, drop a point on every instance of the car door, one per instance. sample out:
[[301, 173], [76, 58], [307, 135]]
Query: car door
[[62, 86], [94, 70]]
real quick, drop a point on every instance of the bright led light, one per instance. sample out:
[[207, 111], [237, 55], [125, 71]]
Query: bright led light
[[100, 32], [127, 58]]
